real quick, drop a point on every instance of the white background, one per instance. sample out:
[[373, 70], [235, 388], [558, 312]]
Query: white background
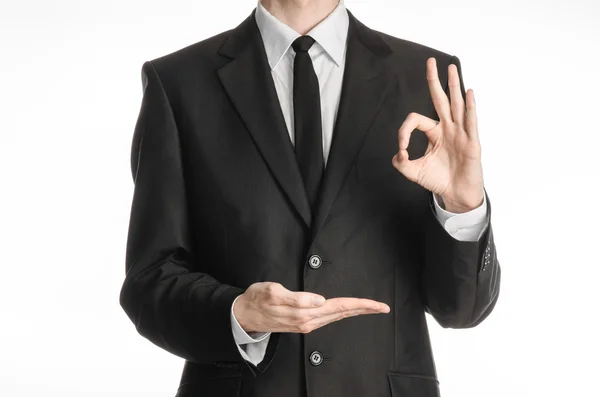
[[69, 97]]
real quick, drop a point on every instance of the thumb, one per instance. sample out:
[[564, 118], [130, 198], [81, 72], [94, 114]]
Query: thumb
[[408, 168], [303, 299]]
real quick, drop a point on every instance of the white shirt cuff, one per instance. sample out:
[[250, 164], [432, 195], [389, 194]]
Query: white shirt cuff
[[467, 226], [252, 346]]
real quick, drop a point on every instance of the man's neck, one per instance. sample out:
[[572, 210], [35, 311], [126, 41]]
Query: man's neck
[[300, 15]]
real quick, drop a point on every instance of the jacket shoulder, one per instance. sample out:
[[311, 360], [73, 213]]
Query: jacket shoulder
[[199, 56], [409, 59], [406, 48]]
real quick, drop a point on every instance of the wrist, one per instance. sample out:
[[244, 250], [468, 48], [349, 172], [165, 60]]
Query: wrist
[[238, 313], [461, 205]]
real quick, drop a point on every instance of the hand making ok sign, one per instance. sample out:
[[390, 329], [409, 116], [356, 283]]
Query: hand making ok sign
[[451, 166]]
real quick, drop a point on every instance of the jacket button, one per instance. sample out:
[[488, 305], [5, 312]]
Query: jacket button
[[315, 261], [316, 358]]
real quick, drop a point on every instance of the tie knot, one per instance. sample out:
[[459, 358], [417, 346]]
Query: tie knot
[[303, 43]]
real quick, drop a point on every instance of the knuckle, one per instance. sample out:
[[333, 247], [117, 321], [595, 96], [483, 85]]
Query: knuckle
[[274, 287], [272, 290]]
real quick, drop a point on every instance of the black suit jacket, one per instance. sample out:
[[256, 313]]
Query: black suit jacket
[[219, 204]]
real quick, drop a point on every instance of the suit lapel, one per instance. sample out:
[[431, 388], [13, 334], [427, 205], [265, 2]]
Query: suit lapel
[[365, 83], [249, 84]]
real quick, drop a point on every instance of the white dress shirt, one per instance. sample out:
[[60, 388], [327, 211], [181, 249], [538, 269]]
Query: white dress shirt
[[328, 55]]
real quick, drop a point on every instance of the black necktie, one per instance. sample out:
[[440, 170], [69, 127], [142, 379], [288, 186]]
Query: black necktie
[[307, 118]]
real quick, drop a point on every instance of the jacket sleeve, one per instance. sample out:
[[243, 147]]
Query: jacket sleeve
[[460, 279], [172, 303]]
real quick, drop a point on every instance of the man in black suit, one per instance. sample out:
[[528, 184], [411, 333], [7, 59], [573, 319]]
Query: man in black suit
[[280, 188]]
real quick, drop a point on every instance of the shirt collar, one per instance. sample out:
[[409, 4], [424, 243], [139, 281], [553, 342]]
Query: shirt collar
[[330, 34]]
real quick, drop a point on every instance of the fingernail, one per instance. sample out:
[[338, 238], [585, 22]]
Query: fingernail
[[318, 300]]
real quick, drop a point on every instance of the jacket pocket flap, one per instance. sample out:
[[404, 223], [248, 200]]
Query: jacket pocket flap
[[413, 385]]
